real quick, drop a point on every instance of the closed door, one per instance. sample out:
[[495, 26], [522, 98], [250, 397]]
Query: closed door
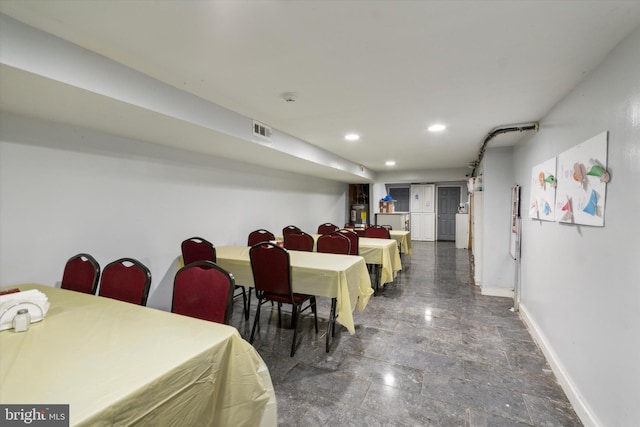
[[448, 202], [422, 198], [422, 226]]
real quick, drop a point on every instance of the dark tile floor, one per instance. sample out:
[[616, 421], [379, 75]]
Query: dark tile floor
[[429, 351]]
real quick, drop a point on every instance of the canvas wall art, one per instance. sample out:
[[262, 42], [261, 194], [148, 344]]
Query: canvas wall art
[[582, 183], [543, 191]]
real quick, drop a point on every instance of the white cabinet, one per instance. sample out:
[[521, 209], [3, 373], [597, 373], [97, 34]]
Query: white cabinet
[[423, 217], [462, 231], [423, 226], [423, 198], [397, 221]]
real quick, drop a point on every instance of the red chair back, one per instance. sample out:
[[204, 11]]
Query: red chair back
[[203, 290], [289, 229], [299, 242], [258, 236], [361, 232], [126, 280], [197, 249], [377, 232], [354, 239], [327, 228], [334, 243], [81, 274], [271, 269]]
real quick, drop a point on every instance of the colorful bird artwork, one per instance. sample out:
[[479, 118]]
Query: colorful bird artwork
[[600, 172], [541, 179], [579, 173], [592, 204], [567, 216], [546, 209], [551, 180]]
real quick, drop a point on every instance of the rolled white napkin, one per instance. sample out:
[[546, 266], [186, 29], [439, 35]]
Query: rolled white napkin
[[33, 300]]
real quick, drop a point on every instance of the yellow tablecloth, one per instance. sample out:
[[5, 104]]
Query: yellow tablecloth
[[403, 238], [384, 252], [116, 363], [344, 277], [378, 251]]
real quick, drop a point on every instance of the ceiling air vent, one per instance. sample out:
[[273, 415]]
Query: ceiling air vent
[[261, 130]]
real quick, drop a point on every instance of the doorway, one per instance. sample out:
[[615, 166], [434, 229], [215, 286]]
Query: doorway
[[448, 202]]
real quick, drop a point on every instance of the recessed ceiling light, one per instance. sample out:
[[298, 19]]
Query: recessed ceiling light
[[390, 163], [437, 128], [352, 137]]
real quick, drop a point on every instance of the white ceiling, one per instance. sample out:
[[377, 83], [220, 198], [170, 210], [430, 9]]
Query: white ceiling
[[383, 69]]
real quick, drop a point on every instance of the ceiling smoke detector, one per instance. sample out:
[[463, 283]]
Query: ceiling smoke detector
[[289, 96]]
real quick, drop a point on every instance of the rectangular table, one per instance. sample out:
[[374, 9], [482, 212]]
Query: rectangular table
[[117, 363], [379, 252], [403, 237], [382, 252], [343, 277]]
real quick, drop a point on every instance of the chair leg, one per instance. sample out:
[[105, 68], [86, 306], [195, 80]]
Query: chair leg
[[280, 316], [244, 301], [247, 306], [294, 321], [255, 321]]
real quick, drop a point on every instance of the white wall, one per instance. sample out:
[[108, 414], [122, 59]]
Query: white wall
[[581, 285], [498, 268], [65, 190]]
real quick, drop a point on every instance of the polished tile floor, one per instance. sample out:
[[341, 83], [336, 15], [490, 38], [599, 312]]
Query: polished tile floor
[[429, 351]]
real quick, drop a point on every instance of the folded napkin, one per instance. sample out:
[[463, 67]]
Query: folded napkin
[[33, 300]]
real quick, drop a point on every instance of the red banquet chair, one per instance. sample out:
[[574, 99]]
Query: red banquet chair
[[203, 290], [353, 238], [81, 274], [377, 232], [299, 242], [334, 243], [327, 228], [199, 249], [260, 235], [289, 229], [127, 280], [271, 267]]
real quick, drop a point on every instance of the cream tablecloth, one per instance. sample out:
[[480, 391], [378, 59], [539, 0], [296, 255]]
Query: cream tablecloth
[[384, 252], [344, 277], [403, 238], [378, 251], [120, 364]]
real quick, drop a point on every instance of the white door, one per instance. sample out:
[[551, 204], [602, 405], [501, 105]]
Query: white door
[[423, 226], [417, 226], [430, 227], [422, 198], [417, 196]]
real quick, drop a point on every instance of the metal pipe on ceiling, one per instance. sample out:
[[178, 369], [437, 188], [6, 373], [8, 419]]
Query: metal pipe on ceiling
[[498, 131]]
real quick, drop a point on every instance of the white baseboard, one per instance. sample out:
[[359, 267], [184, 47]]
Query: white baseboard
[[497, 292], [579, 405]]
